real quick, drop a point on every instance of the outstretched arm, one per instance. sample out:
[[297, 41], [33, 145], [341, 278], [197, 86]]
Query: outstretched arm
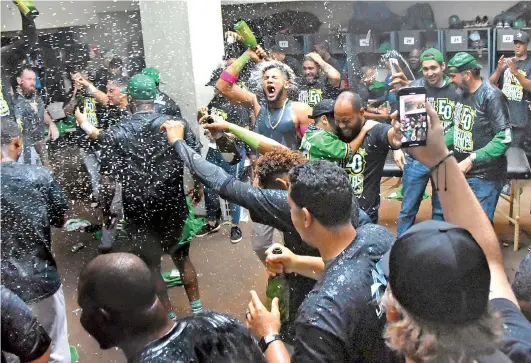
[[256, 141], [268, 207]]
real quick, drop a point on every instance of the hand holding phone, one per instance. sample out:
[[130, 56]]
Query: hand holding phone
[[413, 116]]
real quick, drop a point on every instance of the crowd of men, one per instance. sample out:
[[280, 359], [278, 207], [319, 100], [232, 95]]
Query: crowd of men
[[437, 292]]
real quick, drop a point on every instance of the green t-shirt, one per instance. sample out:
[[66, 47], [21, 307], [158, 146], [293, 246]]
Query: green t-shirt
[[319, 144]]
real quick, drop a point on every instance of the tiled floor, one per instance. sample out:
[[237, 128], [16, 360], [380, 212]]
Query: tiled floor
[[227, 272]]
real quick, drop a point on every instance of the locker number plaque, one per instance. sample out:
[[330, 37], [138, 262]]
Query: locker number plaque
[[456, 39]]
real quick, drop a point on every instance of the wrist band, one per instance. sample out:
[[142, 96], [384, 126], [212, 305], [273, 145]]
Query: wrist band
[[87, 127], [451, 153], [436, 168], [229, 78]]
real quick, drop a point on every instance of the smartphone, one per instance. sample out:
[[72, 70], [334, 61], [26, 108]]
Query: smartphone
[[412, 115], [393, 67]]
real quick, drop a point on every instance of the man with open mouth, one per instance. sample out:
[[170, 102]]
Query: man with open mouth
[[277, 117]]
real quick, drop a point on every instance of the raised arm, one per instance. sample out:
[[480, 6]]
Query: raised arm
[[100, 96], [459, 204], [333, 74], [226, 83], [495, 77]]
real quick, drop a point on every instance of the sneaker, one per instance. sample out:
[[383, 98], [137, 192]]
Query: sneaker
[[208, 229], [499, 24], [478, 23], [485, 21], [235, 234], [506, 25]]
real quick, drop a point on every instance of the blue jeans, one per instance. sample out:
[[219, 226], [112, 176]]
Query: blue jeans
[[487, 192], [414, 180], [212, 199]]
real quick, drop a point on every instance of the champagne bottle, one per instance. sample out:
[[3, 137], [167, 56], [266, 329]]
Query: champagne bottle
[[27, 8], [277, 287], [227, 146], [246, 33]]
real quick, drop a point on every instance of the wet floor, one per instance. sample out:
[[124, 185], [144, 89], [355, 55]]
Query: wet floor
[[226, 271]]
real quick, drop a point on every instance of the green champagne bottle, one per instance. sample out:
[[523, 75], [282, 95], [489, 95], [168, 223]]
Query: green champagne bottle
[[27, 8], [246, 33], [277, 286]]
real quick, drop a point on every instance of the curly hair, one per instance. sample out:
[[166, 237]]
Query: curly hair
[[429, 342], [277, 163]]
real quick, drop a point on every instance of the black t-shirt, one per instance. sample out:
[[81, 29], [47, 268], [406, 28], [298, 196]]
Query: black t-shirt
[[205, 337], [22, 335], [478, 118], [340, 321], [365, 167], [31, 201], [138, 155], [29, 114], [516, 342], [442, 99], [166, 106], [519, 98], [220, 107], [319, 90]]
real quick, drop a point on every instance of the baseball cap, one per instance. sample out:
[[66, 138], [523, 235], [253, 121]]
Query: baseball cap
[[461, 62], [438, 272], [521, 37], [432, 54], [324, 107], [152, 73], [385, 47], [141, 87]]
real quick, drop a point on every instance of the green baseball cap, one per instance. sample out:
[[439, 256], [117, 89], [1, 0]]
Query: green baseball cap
[[141, 87], [152, 73], [385, 47], [432, 54], [461, 62]]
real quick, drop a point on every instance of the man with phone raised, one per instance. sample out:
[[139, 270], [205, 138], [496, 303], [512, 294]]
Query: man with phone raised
[[441, 94], [482, 131]]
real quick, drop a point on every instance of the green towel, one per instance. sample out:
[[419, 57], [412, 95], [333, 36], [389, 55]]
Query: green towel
[[397, 195], [172, 278], [74, 355], [192, 225]]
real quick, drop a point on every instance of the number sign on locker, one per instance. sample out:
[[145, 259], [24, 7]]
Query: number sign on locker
[[283, 44], [409, 40], [456, 39]]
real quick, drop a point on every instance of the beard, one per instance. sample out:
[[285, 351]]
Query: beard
[[463, 86], [348, 134], [278, 96]]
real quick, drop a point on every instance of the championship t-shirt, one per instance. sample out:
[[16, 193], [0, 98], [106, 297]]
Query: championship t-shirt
[[519, 98], [319, 90], [442, 99], [365, 167], [319, 144], [478, 118]]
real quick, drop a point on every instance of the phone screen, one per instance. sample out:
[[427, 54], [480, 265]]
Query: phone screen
[[413, 117]]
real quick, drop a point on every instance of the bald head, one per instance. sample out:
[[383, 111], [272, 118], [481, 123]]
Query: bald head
[[119, 281], [117, 297], [348, 114], [352, 97]]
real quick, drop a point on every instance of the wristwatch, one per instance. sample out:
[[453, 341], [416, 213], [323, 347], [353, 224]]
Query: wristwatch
[[265, 341]]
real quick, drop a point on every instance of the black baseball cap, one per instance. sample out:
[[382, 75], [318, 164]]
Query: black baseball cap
[[521, 37], [324, 107], [438, 272]]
